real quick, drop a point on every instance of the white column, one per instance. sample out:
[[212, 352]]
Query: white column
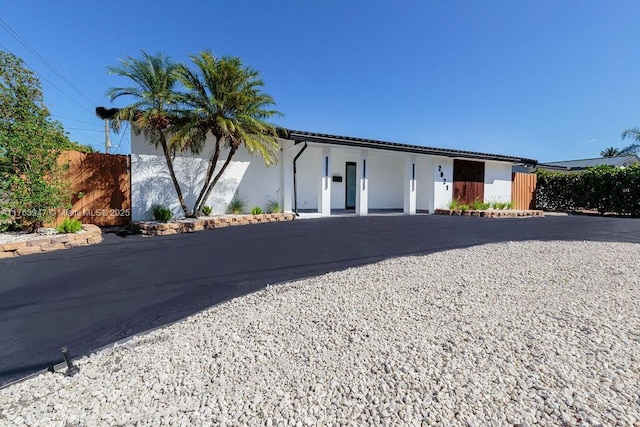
[[410, 185], [362, 192], [287, 181], [324, 196]]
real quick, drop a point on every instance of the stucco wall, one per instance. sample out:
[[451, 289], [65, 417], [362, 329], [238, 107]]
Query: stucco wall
[[424, 184], [386, 180], [497, 182], [442, 185], [151, 182]]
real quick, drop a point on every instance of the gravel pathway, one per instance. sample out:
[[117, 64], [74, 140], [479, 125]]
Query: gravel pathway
[[534, 332]]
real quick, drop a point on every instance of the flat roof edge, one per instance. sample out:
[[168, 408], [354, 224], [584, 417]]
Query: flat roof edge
[[394, 146]]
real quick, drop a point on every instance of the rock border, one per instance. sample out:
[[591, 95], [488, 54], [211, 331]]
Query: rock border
[[92, 235], [492, 213], [153, 228]]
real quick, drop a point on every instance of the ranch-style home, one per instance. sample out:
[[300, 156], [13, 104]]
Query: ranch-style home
[[320, 174]]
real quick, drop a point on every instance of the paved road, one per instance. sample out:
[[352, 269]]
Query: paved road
[[88, 297]]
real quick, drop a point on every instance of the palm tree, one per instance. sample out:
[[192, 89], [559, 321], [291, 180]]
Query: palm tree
[[223, 97], [633, 148], [154, 106], [610, 152]]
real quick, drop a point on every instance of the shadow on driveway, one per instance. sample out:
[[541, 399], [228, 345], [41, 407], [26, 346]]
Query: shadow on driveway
[[85, 298]]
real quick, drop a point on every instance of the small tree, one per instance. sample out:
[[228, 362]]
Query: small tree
[[31, 180], [153, 110], [610, 152], [224, 98]]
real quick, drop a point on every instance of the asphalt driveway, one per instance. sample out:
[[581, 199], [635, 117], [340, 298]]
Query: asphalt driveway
[[85, 298]]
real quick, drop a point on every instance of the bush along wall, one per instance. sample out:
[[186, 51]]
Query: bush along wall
[[601, 188]]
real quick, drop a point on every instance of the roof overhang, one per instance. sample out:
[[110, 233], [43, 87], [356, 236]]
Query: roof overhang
[[302, 136]]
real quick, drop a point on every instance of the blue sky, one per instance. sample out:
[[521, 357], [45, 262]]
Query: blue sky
[[544, 79]]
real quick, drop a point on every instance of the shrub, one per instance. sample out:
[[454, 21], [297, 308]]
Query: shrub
[[8, 224], [600, 188], [502, 205], [256, 211], [206, 210], [160, 213], [273, 207], [69, 225], [477, 205], [237, 206]]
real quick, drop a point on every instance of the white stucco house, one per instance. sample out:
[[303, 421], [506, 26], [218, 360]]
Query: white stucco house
[[320, 174]]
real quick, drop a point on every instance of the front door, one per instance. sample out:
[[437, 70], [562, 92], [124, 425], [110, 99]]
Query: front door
[[468, 181], [350, 186]]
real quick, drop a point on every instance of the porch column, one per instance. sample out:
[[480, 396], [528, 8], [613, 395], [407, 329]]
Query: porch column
[[410, 185], [324, 195], [287, 181], [362, 192]]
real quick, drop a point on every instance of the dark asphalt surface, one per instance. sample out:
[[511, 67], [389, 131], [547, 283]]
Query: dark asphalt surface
[[85, 298]]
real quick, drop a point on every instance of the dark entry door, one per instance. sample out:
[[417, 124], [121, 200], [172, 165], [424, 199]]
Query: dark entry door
[[468, 181], [350, 186]]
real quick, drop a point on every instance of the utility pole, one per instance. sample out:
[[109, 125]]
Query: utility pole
[[107, 139]]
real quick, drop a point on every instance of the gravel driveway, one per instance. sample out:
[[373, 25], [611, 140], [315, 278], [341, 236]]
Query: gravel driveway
[[526, 332]]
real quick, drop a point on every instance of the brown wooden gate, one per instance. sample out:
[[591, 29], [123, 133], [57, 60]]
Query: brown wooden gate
[[468, 181], [100, 186], [523, 190]]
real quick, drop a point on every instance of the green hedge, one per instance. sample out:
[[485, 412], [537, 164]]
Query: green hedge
[[601, 188]]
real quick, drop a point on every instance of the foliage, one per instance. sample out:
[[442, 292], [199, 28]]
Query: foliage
[[273, 206], [601, 188], [256, 210], [31, 180], [206, 210], [454, 205], [161, 213], [69, 225], [224, 98], [479, 205], [633, 133], [154, 109], [237, 206], [502, 205], [7, 223], [610, 152]]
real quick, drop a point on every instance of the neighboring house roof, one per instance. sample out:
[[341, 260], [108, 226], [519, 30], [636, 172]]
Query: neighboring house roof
[[582, 164], [301, 136]]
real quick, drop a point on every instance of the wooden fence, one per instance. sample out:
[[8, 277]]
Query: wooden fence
[[101, 188], [523, 190]]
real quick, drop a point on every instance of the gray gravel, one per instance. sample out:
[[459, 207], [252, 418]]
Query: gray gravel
[[23, 236], [534, 332]]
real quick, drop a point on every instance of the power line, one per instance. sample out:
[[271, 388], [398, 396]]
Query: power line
[[87, 130], [124, 132], [76, 120], [51, 83], [22, 41]]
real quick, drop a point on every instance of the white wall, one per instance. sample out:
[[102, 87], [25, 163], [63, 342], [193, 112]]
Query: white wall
[[308, 177], [339, 159], [151, 182], [442, 185], [424, 184], [497, 182], [385, 171]]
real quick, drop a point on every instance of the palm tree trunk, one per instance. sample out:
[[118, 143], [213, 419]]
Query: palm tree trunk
[[213, 161], [176, 184], [218, 175]]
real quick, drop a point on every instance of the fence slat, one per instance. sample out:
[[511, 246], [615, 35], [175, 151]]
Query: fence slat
[[523, 188]]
